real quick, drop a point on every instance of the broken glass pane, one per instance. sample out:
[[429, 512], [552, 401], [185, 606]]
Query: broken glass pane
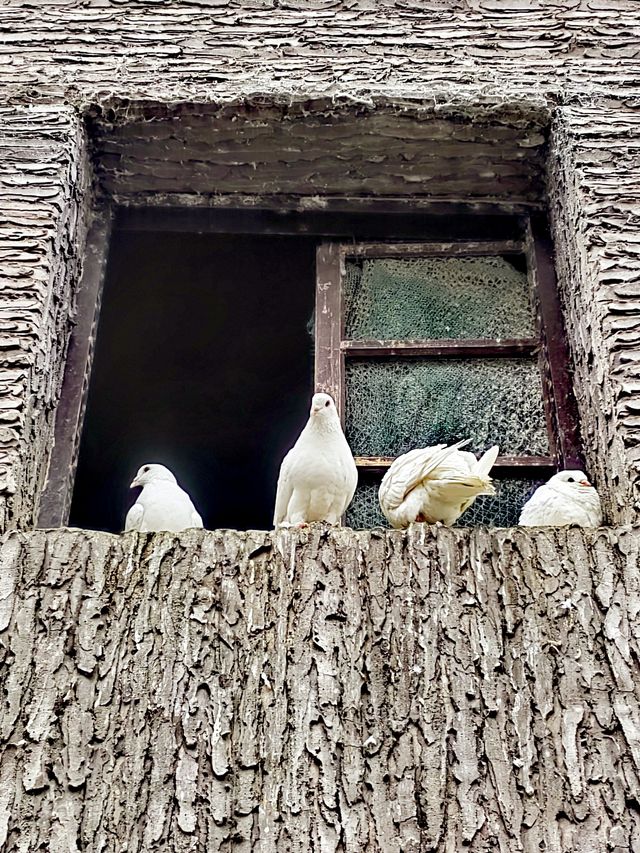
[[431, 298], [395, 405]]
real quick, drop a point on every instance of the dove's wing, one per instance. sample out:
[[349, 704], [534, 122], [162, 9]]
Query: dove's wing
[[284, 490], [594, 513], [134, 518], [541, 508], [409, 470]]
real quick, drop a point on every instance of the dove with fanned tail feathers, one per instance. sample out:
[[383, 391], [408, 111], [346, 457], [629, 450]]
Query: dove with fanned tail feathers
[[318, 476], [435, 484], [161, 505]]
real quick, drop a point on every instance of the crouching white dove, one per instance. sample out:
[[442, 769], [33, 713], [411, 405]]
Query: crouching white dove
[[568, 498], [318, 476], [161, 505], [435, 484]]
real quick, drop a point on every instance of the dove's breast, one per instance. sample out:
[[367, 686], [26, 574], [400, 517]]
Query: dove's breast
[[166, 507]]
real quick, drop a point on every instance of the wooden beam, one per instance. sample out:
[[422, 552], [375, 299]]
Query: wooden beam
[[56, 497], [347, 218], [520, 465], [436, 249], [540, 252], [140, 205], [445, 348], [329, 360]]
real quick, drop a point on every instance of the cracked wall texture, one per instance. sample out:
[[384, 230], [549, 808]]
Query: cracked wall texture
[[549, 84], [44, 196], [242, 691], [320, 691]]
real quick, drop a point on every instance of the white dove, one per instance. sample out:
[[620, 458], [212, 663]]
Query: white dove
[[318, 476], [161, 505], [435, 484], [568, 498]]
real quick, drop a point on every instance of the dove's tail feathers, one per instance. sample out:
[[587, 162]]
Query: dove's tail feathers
[[467, 486], [487, 461]]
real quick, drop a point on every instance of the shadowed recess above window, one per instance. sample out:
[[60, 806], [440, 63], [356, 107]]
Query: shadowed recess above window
[[202, 363]]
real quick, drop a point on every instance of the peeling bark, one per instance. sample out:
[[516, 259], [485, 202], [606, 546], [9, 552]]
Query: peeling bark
[[320, 691]]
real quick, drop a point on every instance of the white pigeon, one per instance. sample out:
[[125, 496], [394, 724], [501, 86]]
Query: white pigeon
[[318, 476], [435, 484], [568, 498], [161, 505]]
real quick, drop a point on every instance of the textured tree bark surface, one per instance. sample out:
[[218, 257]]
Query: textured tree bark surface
[[435, 690]]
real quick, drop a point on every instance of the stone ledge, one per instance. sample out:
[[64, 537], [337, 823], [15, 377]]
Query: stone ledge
[[320, 690]]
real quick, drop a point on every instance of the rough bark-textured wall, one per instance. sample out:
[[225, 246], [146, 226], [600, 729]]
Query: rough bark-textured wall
[[594, 190], [320, 691], [569, 64], [43, 212], [456, 51], [201, 152]]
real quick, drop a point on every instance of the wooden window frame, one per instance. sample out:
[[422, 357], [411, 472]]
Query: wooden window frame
[[333, 349], [410, 219]]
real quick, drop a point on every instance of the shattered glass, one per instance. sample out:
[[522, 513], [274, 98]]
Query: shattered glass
[[431, 298], [395, 405]]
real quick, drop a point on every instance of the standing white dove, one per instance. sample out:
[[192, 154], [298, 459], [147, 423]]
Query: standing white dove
[[162, 504], [435, 484], [318, 476], [567, 498]]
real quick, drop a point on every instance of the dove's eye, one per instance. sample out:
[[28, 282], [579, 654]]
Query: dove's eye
[[146, 468], [570, 480], [328, 403]]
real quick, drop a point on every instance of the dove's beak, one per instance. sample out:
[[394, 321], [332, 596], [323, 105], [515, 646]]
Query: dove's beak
[[134, 484], [584, 483]]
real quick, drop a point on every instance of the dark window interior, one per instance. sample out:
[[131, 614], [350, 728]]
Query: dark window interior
[[204, 363]]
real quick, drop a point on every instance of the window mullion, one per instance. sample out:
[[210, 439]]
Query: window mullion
[[329, 361], [441, 348]]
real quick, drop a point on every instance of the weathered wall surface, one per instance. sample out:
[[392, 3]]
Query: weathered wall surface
[[241, 692], [563, 70], [440, 690], [594, 189], [44, 202], [199, 50]]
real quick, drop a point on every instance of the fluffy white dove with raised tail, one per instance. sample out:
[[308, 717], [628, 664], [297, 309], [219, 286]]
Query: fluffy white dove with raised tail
[[568, 498], [161, 505], [435, 484], [318, 476]]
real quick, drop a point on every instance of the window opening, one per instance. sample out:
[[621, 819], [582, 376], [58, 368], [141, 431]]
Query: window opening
[[204, 359]]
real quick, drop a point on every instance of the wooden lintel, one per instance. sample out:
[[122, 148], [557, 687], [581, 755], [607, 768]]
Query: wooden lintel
[[435, 249]]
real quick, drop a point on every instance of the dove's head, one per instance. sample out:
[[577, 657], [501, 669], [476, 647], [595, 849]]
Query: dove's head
[[571, 482], [322, 406], [152, 473]]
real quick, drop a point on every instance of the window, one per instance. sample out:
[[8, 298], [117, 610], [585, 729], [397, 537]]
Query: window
[[431, 325], [431, 342]]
